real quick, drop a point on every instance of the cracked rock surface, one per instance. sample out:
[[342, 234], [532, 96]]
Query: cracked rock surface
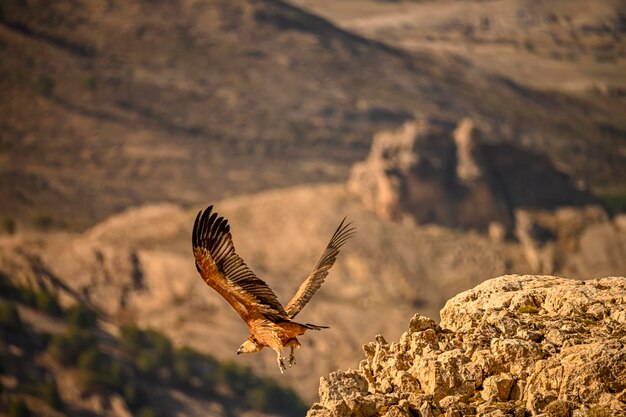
[[516, 345]]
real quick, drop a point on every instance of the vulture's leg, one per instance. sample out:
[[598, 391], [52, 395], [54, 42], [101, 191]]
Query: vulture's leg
[[293, 345], [292, 357], [281, 364]]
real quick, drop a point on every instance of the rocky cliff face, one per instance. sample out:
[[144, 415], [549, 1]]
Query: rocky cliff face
[[434, 173], [514, 345], [430, 172]]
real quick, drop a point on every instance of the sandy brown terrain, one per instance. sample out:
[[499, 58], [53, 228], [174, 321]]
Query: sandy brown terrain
[[113, 104]]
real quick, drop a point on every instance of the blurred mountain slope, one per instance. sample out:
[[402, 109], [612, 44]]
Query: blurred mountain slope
[[109, 104], [65, 362], [570, 47]]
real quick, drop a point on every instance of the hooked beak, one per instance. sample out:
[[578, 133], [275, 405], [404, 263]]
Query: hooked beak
[[239, 352]]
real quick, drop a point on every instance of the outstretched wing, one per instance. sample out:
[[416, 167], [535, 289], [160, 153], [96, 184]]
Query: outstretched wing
[[224, 271], [316, 278]]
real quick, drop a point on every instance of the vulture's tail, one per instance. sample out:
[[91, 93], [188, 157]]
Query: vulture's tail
[[314, 326]]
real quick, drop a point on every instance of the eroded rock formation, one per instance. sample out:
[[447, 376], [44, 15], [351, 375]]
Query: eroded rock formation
[[435, 173], [514, 345]]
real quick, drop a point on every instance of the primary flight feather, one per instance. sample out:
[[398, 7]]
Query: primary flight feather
[[270, 323]]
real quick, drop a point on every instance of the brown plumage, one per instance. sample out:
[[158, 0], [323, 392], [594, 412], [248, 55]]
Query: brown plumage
[[223, 270]]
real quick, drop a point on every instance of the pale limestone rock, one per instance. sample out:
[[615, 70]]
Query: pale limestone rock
[[470, 164], [420, 323], [427, 410], [512, 346], [445, 374], [497, 387], [343, 389]]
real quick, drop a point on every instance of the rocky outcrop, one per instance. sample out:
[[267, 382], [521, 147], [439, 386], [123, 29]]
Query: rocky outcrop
[[514, 345], [574, 241], [433, 173], [426, 172], [420, 171]]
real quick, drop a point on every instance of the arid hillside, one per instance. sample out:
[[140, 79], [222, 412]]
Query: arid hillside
[[572, 46], [137, 267], [109, 104], [575, 48], [63, 361]]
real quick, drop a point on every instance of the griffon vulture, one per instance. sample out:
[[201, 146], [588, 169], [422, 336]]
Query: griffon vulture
[[223, 270]]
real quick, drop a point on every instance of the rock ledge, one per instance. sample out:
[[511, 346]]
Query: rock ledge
[[516, 345]]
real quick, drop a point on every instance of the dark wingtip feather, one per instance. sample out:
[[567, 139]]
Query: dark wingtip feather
[[343, 233], [200, 226]]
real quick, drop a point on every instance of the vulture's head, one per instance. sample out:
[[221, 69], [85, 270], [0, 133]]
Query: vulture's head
[[248, 347]]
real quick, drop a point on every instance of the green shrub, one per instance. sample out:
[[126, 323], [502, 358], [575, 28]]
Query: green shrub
[[115, 375], [269, 397], [237, 377], [18, 408], [41, 299], [154, 356], [130, 338], [134, 396], [10, 317], [50, 395], [189, 366], [58, 348], [147, 412], [159, 344], [614, 203], [134, 340], [26, 295], [100, 370], [91, 360], [40, 340], [44, 85], [79, 315], [258, 399], [259, 394], [66, 348], [182, 369], [147, 363], [150, 349], [6, 287], [47, 302]]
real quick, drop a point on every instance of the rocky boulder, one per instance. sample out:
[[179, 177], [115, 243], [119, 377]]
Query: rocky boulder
[[514, 345]]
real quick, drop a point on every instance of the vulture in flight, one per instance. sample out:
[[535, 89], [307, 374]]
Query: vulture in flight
[[269, 322]]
